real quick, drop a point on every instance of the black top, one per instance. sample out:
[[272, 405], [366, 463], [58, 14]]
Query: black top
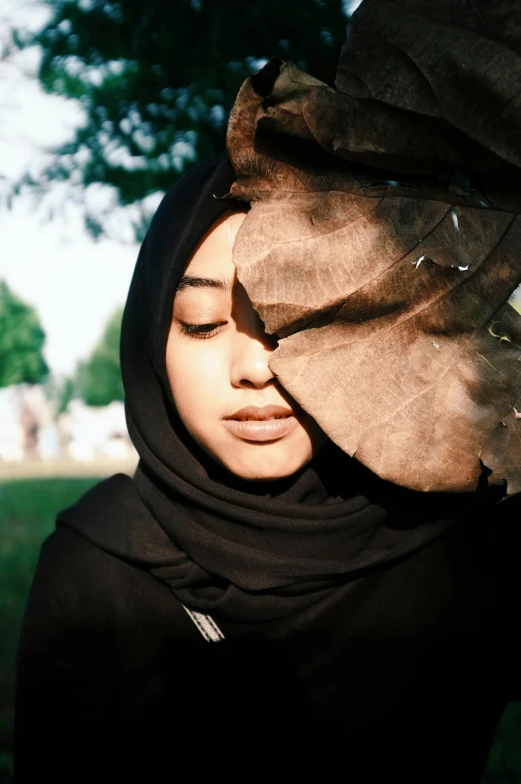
[[400, 674]]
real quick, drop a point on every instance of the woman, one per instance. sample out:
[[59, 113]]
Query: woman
[[255, 602]]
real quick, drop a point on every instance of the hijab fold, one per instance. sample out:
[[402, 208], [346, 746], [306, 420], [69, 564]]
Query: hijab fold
[[240, 550]]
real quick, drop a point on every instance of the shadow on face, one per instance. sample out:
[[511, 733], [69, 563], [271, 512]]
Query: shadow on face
[[217, 363]]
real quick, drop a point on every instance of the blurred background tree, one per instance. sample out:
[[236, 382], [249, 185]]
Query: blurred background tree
[[157, 80], [98, 380], [21, 341]]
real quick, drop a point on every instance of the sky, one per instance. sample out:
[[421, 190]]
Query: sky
[[46, 256]]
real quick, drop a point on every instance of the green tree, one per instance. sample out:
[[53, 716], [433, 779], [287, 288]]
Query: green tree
[[21, 341], [98, 380], [66, 394], [158, 79]]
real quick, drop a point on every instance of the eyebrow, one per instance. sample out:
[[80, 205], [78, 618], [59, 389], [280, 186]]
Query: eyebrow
[[192, 281]]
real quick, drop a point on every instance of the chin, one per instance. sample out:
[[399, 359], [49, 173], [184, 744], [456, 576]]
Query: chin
[[267, 473], [262, 462]]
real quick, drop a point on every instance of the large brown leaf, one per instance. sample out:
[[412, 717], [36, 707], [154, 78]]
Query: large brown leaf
[[384, 242]]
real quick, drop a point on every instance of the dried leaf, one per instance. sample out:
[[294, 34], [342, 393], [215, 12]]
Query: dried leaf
[[385, 279]]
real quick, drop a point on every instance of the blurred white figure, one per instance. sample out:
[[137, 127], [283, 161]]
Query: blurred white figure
[[38, 421], [96, 432], [11, 431], [27, 427]]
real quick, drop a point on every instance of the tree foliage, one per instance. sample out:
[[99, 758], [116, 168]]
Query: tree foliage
[[21, 341], [157, 80], [98, 379]]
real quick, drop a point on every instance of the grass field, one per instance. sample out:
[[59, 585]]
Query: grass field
[[27, 513]]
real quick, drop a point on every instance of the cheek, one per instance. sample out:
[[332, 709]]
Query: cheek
[[197, 377]]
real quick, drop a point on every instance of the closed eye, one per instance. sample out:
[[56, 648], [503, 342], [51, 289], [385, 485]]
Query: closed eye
[[200, 331]]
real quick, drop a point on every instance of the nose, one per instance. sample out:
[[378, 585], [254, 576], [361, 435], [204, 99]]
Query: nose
[[252, 349], [250, 362]]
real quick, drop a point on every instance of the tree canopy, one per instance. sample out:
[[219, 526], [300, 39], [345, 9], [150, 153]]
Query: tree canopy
[[157, 80], [21, 341], [98, 380]]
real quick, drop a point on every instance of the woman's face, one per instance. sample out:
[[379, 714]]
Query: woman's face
[[222, 368]]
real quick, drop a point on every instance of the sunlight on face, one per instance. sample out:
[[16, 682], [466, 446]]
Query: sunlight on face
[[223, 367]]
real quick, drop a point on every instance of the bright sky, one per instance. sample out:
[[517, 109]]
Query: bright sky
[[49, 260]]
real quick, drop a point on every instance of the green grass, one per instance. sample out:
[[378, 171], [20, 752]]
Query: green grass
[[28, 510]]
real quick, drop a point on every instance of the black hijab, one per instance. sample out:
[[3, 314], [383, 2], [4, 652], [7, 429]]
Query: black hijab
[[240, 550]]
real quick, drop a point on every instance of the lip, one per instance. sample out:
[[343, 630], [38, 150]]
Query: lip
[[261, 430], [259, 413]]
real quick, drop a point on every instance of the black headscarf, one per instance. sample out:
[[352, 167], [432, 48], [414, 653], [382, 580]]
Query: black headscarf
[[237, 549]]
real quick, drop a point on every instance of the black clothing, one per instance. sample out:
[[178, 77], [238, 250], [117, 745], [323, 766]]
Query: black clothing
[[367, 627], [401, 674]]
